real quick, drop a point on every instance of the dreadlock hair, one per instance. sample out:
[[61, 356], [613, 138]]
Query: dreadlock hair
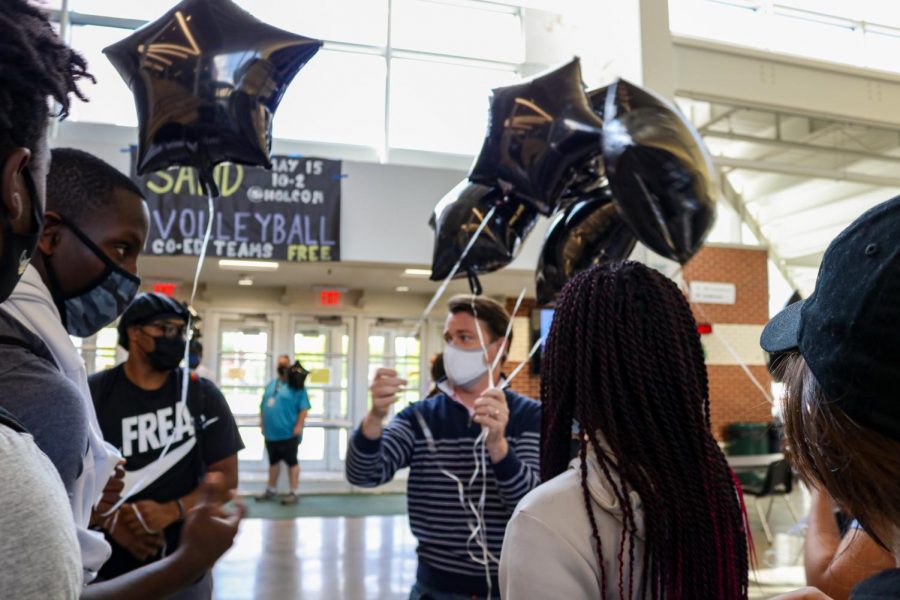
[[624, 360], [79, 185], [34, 65]]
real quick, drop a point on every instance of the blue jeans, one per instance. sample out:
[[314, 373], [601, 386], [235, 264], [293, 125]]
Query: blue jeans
[[421, 592]]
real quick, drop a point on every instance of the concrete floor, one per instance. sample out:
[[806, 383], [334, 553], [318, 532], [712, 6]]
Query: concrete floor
[[374, 558]]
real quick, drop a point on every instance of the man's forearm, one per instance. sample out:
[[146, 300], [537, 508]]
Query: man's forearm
[[229, 470], [372, 426], [498, 450], [301, 421], [156, 580]]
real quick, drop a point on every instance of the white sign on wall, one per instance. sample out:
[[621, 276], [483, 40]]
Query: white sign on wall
[[708, 292]]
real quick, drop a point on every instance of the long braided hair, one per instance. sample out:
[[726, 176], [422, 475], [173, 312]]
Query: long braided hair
[[623, 359]]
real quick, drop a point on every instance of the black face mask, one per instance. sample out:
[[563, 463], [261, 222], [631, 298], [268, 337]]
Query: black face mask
[[102, 301], [282, 371], [18, 248], [167, 353]]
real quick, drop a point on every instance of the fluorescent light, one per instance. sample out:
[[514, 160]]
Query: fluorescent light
[[257, 265], [245, 280], [418, 272], [402, 288]]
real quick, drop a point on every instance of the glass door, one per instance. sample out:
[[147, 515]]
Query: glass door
[[392, 345], [98, 350], [244, 365], [322, 346]]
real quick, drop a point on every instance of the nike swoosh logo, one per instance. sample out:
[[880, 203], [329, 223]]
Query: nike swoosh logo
[[139, 479]]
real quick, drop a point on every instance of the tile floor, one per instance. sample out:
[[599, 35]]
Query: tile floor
[[373, 558]]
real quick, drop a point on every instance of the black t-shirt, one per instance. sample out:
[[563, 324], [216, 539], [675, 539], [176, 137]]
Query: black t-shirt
[[138, 422], [879, 587]]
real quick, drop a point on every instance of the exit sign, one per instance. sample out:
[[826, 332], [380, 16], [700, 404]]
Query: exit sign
[[330, 297], [165, 289]]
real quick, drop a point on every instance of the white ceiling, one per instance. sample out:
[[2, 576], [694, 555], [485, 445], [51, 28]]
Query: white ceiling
[[798, 181]]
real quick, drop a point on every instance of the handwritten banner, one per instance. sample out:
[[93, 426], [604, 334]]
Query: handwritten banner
[[292, 212]]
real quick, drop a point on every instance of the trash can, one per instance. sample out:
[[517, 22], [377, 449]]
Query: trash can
[[776, 434], [742, 439]]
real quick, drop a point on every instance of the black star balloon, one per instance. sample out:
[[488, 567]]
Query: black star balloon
[[539, 131], [207, 78], [588, 231], [659, 170], [457, 217]]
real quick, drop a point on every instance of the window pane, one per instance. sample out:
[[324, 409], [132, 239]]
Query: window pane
[[313, 445], [337, 97], [405, 357], [108, 337], [316, 401], [832, 41], [490, 33], [309, 342], [882, 51], [342, 444], [145, 9], [376, 345], [441, 107], [111, 100], [243, 401], [254, 444], [743, 25], [353, 21]]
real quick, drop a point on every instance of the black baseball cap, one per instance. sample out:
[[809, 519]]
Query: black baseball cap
[[848, 330], [148, 307]]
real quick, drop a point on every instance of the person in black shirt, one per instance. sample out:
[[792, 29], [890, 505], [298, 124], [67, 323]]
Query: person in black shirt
[[140, 409]]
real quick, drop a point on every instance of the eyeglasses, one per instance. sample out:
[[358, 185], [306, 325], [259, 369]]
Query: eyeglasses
[[170, 330]]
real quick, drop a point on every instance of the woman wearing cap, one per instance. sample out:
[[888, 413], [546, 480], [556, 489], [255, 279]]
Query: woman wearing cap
[[842, 379]]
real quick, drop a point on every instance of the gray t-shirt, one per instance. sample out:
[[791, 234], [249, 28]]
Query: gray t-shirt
[[38, 547], [42, 398]]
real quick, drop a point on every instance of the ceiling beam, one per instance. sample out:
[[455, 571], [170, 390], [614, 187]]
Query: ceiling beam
[[809, 172], [787, 145], [813, 260]]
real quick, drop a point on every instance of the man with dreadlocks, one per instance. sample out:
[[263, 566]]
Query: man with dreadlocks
[[436, 439], [649, 508], [36, 66]]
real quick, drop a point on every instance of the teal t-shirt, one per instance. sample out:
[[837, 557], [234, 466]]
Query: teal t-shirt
[[280, 407]]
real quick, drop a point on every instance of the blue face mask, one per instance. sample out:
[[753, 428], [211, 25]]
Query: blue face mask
[[101, 303]]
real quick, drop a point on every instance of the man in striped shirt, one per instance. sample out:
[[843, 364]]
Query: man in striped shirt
[[436, 439]]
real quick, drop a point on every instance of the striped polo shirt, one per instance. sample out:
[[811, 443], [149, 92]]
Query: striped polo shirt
[[436, 515]]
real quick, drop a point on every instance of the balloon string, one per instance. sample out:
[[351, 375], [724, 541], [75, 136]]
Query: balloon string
[[509, 327], [506, 382], [139, 485], [440, 291], [725, 343], [736, 357]]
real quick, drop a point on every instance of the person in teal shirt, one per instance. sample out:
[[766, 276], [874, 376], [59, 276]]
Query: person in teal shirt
[[283, 412]]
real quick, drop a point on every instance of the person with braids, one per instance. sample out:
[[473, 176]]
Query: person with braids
[[649, 508], [48, 549], [841, 407]]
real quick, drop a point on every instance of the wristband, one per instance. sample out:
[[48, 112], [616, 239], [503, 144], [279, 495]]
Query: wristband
[[180, 509]]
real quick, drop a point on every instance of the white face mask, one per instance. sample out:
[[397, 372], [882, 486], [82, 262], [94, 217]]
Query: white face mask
[[463, 367]]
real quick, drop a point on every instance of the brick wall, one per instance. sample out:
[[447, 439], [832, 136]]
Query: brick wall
[[747, 269], [525, 382], [733, 396]]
